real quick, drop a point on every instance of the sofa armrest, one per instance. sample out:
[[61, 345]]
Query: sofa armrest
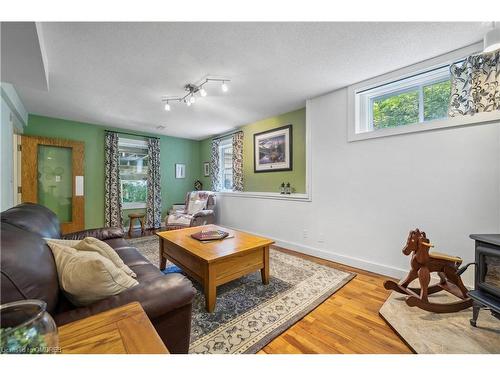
[[203, 213], [157, 297], [203, 217], [99, 233]]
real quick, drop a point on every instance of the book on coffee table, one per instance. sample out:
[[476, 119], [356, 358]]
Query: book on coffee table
[[210, 235]]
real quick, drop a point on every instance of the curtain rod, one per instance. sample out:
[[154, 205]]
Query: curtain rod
[[136, 135], [227, 134]]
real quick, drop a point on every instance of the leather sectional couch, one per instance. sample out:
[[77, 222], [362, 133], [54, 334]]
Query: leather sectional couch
[[28, 271]]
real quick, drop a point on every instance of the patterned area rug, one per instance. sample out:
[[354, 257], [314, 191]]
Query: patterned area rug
[[248, 314]]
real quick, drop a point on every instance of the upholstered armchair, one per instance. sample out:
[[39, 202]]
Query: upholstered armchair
[[198, 210]]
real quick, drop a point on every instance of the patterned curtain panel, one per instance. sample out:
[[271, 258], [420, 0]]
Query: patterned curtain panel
[[475, 85], [153, 207], [214, 165], [238, 161], [112, 188]]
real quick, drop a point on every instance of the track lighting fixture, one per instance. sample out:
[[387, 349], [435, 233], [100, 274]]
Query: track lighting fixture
[[192, 90]]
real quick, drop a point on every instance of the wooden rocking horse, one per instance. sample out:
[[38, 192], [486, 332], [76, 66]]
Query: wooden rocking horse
[[422, 264]]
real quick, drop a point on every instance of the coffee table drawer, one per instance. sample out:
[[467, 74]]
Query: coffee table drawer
[[183, 259], [238, 265]]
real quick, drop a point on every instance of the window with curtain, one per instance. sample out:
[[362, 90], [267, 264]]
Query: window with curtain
[[226, 170], [455, 89]]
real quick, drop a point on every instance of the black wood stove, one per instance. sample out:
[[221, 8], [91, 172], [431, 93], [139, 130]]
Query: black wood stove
[[486, 293]]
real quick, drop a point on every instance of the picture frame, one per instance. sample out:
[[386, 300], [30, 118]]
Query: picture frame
[[206, 169], [272, 150], [180, 170]]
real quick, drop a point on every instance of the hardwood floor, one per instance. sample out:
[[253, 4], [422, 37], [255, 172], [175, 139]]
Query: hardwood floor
[[347, 322]]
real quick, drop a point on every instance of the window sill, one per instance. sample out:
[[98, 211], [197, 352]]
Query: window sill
[[477, 119], [133, 206], [299, 197]]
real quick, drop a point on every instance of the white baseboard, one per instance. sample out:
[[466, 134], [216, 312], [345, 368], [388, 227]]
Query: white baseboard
[[364, 264]]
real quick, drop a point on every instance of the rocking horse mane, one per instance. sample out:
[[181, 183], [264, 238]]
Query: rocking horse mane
[[415, 238]]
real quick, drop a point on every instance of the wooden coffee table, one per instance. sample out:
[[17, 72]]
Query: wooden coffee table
[[217, 262]]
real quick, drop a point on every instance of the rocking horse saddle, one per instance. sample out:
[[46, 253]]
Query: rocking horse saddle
[[442, 256]]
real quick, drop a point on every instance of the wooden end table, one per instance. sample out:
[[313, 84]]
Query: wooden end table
[[123, 330], [134, 216], [216, 262]]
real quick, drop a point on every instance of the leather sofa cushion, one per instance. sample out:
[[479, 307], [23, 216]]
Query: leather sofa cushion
[[159, 296], [131, 257], [28, 268], [33, 218], [118, 243]]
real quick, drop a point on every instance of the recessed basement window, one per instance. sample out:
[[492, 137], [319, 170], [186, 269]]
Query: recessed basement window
[[416, 99], [412, 99]]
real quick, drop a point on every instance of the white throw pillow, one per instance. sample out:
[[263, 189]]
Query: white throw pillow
[[86, 276], [98, 246], [196, 206]]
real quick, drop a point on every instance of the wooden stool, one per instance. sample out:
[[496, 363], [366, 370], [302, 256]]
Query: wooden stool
[[138, 216]]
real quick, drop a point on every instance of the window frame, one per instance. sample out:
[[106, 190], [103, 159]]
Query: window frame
[[224, 144], [131, 143], [407, 73]]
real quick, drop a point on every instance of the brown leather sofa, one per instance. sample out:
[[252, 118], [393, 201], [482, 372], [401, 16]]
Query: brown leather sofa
[[28, 271]]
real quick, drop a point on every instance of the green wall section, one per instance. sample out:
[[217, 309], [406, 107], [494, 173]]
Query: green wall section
[[173, 150], [269, 181]]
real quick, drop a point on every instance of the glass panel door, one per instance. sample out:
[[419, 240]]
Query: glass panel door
[[55, 182]]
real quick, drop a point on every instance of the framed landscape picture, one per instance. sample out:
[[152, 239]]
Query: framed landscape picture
[[272, 150], [206, 169], [180, 171]]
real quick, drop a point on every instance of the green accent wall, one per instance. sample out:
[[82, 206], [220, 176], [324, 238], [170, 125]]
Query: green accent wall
[[269, 181], [173, 150]]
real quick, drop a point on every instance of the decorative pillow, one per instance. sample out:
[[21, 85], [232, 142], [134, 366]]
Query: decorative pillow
[[98, 246], [196, 206], [86, 276]]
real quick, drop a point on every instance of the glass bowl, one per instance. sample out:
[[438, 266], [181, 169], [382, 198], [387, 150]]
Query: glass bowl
[[27, 328]]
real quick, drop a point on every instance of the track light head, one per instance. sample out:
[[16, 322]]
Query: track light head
[[224, 87], [192, 99], [203, 92], [167, 107]]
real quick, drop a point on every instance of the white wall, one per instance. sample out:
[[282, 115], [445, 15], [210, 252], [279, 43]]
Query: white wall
[[367, 195], [13, 118]]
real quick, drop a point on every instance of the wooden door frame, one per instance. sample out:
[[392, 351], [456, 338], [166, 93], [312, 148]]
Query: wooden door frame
[[29, 175]]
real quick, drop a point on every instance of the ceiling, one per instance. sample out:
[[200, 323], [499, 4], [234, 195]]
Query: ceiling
[[115, 74]]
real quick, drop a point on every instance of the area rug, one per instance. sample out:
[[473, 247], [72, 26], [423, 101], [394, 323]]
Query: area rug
[[248, 314], [431, 333]]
